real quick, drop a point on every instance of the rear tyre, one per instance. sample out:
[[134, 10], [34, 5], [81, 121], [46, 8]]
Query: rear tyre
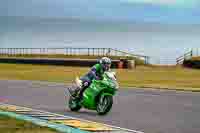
[[104, 105], [74, 104]]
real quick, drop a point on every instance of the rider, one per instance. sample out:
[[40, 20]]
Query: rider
[[96, 72]]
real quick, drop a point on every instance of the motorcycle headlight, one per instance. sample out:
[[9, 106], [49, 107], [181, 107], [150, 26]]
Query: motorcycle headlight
[[115, 85]]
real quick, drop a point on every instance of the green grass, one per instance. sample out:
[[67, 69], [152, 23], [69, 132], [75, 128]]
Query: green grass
[[138, 61], [143, 76], [11, 125]]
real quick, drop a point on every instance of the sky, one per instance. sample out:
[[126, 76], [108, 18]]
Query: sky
[[159, 11], [158, 28]]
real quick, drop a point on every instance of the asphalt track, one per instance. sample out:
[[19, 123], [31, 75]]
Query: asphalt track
[[149, 111]]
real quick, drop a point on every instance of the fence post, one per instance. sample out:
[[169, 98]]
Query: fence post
[[40, 51], [14, 51], [44, 51], [25, 51], [8, 51], [11, 51], [145, 60]]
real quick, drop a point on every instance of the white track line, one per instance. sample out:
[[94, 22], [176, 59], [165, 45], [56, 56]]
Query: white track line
[[116, 127]]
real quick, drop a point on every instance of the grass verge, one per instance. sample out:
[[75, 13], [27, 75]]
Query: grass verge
[[143, 76], [12, 125]]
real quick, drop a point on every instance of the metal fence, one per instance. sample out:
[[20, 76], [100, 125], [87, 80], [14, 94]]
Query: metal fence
[[71, 52], [186, 56]]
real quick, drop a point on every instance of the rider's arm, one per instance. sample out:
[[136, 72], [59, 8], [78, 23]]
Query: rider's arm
[[93, 72]]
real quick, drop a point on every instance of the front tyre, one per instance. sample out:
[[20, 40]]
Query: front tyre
[[74, 104], [104, 105]]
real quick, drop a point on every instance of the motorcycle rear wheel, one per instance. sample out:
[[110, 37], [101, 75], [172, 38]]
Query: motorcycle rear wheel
[[74, 104]]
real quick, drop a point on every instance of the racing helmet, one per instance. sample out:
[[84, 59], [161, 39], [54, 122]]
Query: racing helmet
[[106, 63]]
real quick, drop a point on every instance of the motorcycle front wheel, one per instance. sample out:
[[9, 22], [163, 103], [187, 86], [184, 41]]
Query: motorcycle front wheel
[[104, 105], [74, 104]]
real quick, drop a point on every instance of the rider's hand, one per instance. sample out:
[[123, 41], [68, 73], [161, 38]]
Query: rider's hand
[[98, 78], [86, 84]]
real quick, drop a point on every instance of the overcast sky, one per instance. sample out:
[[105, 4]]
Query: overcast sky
[[163, 11]]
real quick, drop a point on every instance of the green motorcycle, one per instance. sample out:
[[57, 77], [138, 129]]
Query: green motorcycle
[[98, 96]]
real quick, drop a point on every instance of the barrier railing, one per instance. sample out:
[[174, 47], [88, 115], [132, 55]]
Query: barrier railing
[[71, 52], [187, 55]]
